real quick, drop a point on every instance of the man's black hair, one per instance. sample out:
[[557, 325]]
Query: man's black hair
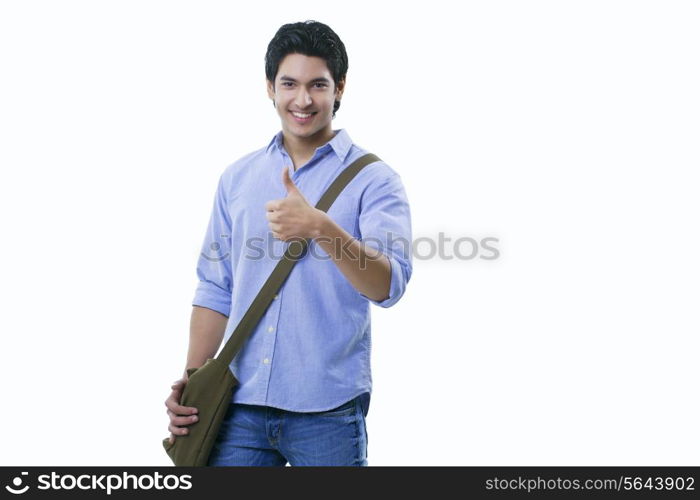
[[310, 38]]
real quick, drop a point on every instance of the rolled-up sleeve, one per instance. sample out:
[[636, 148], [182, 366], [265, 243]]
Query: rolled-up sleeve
[[214, 265], [385, 225]]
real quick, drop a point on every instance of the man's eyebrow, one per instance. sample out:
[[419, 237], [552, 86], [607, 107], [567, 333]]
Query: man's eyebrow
[[290, 79]]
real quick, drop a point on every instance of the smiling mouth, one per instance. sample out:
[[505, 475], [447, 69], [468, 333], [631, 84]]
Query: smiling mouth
[[302, 117]]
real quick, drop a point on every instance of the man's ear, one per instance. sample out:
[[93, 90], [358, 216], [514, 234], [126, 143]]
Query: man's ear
[[340, 88], [270, 89]]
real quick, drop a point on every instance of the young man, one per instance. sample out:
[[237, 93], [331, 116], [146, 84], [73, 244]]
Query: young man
[[304, 373]]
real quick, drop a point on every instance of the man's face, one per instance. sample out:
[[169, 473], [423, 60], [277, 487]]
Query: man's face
[[304, 84]]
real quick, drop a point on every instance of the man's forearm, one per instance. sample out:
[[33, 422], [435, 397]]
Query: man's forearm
[[367, 269], [207, 329]]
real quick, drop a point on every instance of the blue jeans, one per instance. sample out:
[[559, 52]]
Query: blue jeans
[[266, 436]]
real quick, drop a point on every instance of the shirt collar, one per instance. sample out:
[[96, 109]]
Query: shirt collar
[[341, 143]]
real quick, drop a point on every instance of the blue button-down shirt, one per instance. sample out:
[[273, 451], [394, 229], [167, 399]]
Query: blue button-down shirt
[[311, 350]]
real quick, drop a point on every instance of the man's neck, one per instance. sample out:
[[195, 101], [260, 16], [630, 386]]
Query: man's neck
[[301, 151]]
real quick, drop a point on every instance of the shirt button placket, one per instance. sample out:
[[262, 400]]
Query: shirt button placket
[[270, 342]]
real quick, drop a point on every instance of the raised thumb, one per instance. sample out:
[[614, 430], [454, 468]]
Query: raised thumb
[[288, 182]]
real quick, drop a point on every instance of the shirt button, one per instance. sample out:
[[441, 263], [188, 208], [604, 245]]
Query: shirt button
[[270, 329], [275, 296], [266, 361]]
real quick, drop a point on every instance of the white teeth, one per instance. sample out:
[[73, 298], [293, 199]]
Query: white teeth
[[301, 115]]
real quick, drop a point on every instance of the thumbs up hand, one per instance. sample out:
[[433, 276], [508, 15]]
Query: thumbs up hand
[[293, 216]]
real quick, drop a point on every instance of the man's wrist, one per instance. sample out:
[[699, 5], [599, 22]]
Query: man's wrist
[[321, 224]]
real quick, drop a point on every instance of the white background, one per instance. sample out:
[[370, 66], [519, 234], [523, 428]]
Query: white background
[[567, 130]]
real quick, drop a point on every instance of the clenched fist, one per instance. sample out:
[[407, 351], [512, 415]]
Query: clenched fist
[[293, 216]]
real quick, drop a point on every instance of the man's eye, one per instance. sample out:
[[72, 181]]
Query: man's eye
[[290, 84]]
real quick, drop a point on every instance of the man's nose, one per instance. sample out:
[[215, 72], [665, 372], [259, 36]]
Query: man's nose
[[303, 98]]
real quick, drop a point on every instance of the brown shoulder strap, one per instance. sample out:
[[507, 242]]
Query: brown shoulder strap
[[295, 251]]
